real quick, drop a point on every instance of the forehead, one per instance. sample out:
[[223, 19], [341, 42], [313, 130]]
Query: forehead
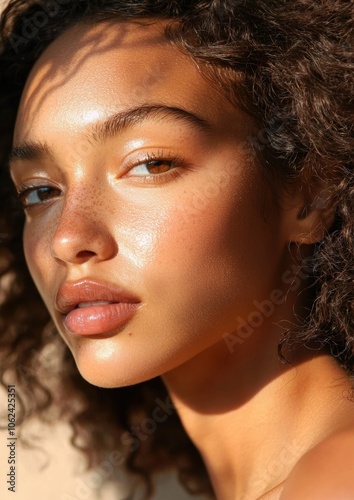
[[92, 71]]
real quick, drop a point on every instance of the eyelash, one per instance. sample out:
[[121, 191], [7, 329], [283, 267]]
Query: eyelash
[[158, 157], [26, 189]]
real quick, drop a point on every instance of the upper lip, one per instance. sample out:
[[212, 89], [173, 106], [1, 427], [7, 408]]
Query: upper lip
[[73, 293]]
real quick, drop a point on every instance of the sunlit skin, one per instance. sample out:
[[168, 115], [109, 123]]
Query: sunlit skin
[[197, 248]]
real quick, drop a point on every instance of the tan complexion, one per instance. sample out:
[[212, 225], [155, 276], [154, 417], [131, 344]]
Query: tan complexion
[[196, 267]]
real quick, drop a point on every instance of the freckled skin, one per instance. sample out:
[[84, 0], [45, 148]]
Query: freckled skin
[[196, 256], [198, 249]]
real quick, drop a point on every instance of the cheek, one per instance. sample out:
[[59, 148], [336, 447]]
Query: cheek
[[211, 263], [39, 262]]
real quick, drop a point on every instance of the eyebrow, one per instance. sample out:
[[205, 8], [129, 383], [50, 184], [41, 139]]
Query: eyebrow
[[111, 127]]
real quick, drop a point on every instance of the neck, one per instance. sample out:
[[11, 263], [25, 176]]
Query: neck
[[248, 414]]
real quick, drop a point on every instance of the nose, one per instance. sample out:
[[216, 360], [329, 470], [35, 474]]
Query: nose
[[82, 234]]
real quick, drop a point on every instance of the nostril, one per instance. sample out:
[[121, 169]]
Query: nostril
[[85, 254]]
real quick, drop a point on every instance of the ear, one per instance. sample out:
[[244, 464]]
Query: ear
[[309, 212]]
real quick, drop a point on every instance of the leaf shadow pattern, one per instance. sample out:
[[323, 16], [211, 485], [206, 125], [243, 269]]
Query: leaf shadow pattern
[[54, 73]]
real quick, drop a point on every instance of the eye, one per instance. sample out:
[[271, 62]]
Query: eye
[[155, 166], [35, 195]]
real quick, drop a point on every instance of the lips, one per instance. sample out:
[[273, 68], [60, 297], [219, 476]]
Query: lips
[[92, 308]]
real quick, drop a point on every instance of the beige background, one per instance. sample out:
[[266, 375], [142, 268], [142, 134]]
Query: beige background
[[54, 470]]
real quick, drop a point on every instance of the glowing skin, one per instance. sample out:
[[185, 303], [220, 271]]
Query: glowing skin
[[195, 249], [198, 248]]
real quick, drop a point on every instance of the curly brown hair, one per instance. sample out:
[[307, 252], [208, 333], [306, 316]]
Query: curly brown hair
[[288, 64]]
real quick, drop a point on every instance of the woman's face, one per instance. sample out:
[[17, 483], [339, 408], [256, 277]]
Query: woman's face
[[139, 175]]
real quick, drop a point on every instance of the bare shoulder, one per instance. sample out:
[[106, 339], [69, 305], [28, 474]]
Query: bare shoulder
[[326, 472]]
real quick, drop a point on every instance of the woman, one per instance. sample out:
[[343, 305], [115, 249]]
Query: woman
[[186, 174]]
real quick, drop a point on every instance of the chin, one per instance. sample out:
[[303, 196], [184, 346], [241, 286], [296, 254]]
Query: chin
[[101, 377], [102, 366]]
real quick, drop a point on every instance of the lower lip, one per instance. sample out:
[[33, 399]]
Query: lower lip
[[95, 320]]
